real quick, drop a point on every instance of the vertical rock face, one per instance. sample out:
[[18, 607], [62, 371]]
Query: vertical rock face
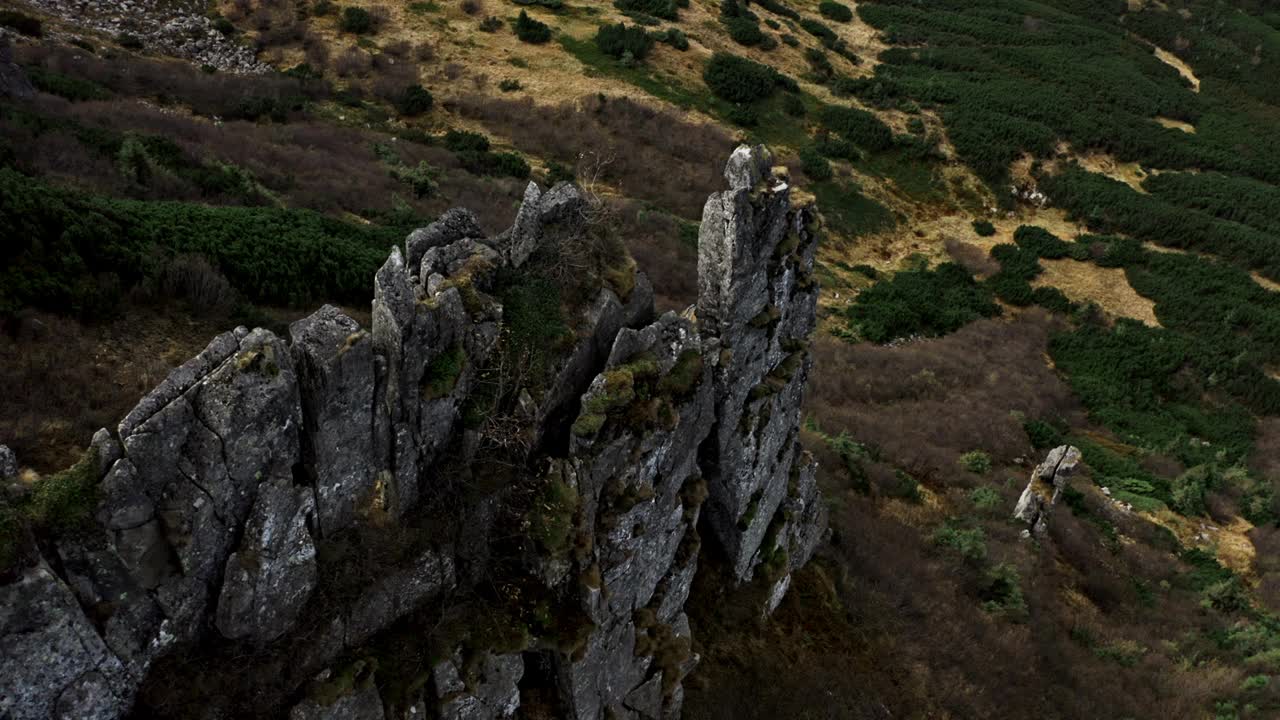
[[1045, 486], [756, 308], [301, 501]]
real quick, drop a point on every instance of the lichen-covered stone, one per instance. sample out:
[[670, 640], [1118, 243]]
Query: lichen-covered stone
[[361, 704], [492, 695], [335, 365], [52, 662], [1045, 486], [757, 306], [229, 484], [270, 576]]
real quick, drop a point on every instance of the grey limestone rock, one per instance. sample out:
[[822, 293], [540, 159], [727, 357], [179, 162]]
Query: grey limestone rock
[[8, 463], [272, 573], [335, 365], [363, 703], [493, 694], [53, 664], [1045, 486], [452, 225], [757, 304]]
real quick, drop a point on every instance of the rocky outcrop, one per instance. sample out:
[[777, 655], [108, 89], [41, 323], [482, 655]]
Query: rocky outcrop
[[8, 463], [512, 462], [1045, 486], [756, 309], [180, 28]]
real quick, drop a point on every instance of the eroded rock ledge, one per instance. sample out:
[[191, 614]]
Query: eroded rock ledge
[[491, 496]]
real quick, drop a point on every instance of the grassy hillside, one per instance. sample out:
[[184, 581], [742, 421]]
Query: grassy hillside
[[1047, 222]]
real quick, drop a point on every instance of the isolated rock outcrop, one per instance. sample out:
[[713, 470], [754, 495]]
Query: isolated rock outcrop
[[497, 486], [1045, 486]]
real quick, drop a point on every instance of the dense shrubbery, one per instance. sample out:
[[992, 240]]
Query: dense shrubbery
[[984, 228], [835, 11], [665, 9], [814, 164], [1111, 206], [740, 80], [66, 251], [530, 30], [778, 8], [1001, 78], [356, 20], [1236, 199], [742, 25], [920, 302], [415, 100], [622, 40], [857, 126]]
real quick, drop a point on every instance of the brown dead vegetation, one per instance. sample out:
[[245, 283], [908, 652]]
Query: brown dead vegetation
[[646, 153]]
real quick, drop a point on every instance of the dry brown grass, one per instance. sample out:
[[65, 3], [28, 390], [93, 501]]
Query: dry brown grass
[[927, 402], [1178, 64], [65, 380], [1185, 127], [1107, 287]]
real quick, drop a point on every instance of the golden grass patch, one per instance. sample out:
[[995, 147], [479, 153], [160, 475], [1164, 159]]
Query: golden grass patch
[[1176, 63], [1185, 127], [1107, 287]]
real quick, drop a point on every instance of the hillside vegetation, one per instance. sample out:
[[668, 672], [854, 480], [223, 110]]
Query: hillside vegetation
[[957, 149]]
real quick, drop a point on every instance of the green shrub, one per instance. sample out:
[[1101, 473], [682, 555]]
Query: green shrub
[[985, 498], [71, 88], [857, 126], [904, 486], [984, 228], [622, 40], [665, 9], [491, 24], [551, 522], [356, 20], [558, 173], [1255, 682], [530, 30], [814, 164], [1042, 434], [442, 373], [673, 37], [743, 30], [920, 302], [24, 24], [1188, 490], [738, 79], [415, 100], [422, 179], [129, 41], [224, 26], [976, 461], [743, 115], [1001, 590], [509, 85], [465, 140], [970, 543], [792, 105], [835, 11], [1227, 596], [60, 240]]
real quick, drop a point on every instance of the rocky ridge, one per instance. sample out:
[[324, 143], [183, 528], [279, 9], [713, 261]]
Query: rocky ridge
[[515, 502]]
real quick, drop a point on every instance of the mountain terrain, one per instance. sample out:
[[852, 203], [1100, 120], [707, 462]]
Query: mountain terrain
[[1040, 241]]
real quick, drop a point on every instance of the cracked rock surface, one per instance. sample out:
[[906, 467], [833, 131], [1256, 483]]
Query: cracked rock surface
[[279, 508]]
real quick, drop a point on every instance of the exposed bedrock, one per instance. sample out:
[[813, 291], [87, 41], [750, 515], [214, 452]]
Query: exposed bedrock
[[502, 484]]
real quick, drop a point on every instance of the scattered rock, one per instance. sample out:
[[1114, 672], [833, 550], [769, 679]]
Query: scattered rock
[[1045, 486]]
